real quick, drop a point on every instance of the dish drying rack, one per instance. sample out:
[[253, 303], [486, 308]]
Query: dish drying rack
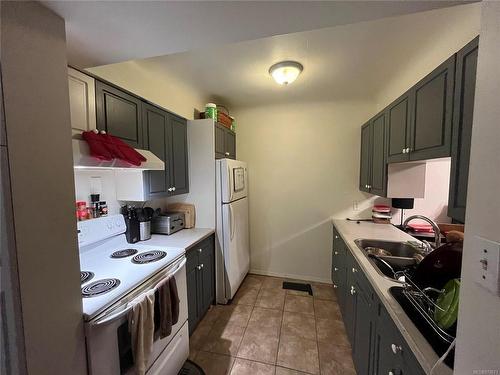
[[424, 304]]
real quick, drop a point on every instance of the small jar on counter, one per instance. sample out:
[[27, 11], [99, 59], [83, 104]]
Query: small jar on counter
[[81, 210]]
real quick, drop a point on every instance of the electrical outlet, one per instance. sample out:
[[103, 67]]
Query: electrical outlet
[[487, 265], [355, 206]]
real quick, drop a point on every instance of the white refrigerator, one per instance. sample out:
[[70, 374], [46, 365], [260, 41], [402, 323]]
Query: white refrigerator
[[233, 258]]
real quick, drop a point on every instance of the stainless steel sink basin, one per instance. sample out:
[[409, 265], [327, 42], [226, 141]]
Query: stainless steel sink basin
[[397, 249], [401, 256]]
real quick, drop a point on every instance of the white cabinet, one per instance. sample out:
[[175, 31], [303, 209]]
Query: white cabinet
[[81, 101]]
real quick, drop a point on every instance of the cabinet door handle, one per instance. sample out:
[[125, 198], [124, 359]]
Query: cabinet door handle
[[335, 286], [396, 348], [404, 151], [336, 237], [354, 270], [201, 265], [173, 189], [169, 189], [391, 373], [227, 153], [336, 252], [198, 267], [335, 269], [353, 290], [200, 250]]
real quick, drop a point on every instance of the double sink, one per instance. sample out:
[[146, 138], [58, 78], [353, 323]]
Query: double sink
[[403, 256]]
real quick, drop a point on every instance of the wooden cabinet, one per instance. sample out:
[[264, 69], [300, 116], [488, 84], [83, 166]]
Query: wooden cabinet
[[377, 344], [166, 136], [432, 105], [398, 132], [156, 139], [178, 163], [465, 85], [225, 142], [364, 168], [373, 164], [200, 274], [81, 101], [419, 122], [119, 114]]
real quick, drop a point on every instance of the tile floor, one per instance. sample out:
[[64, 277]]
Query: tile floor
[[269, 330]]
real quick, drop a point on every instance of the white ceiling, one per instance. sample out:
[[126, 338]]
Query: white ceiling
[[104, 32], [340, 63]]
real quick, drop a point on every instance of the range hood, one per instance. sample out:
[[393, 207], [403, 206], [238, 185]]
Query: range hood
[[83, 160]]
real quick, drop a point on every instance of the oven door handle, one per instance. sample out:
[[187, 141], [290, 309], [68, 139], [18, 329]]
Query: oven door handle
[[119, 314]]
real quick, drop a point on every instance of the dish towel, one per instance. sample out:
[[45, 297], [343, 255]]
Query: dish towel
[[141, 328], [165, 305], [174, 297]]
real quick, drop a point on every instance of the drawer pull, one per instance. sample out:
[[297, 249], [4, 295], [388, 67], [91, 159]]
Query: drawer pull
[[396, 348]]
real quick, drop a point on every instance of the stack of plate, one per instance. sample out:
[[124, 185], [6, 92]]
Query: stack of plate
[[381, 214]]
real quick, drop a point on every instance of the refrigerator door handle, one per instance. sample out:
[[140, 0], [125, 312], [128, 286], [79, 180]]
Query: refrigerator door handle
[[231, 222], [231, 183]]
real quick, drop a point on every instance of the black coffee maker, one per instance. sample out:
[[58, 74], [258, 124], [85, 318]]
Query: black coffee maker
[[132, 221]]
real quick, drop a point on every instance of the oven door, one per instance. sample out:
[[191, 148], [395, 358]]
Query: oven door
[[109, 349]]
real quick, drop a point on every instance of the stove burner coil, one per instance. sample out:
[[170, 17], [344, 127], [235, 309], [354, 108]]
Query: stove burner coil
[[86, 276], [99, 287], [123, 253], [149, 256]]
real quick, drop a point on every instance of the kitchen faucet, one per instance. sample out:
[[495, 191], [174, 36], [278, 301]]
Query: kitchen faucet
[[437, 232]]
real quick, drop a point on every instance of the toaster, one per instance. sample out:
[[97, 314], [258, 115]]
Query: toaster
[[168, 223]]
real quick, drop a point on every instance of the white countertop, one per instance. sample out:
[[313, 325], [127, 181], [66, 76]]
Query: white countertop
[[184, 238], [350, 231]]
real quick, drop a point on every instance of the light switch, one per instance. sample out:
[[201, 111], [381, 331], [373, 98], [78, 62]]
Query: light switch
[[487, 267]]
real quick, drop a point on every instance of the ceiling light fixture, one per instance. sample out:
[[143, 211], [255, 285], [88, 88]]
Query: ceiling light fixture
[[285, 72]]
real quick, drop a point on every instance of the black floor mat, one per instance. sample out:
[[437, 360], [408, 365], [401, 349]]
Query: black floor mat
[[298, 286], [191, 368]]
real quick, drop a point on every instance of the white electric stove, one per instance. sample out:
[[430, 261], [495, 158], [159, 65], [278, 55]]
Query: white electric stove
[[113, 273]]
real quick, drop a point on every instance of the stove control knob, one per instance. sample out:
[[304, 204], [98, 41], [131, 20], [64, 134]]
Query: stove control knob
[[118, 223], [110, 225]]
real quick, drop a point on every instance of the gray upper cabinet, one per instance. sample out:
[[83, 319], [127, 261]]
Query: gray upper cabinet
[[119, 114], [81, 101], [463, 111], [166, 136], [225, 142], [378, 184], [365, 170], [431, 113], [373, 165], [398, 120], [178, 163], [155, 124]]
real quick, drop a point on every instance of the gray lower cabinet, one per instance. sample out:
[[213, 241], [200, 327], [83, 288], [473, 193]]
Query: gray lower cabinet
[[225, 142], [119, 114], [465, 85], [377, 345], [200, 277], [373, 161]]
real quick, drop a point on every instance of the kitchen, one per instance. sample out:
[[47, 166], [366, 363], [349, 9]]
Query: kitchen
[[311, 136]]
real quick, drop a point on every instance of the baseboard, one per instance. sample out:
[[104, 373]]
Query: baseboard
[[291, 276]]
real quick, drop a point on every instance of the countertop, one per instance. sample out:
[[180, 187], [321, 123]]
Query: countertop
[[183, 239], [350, 231]]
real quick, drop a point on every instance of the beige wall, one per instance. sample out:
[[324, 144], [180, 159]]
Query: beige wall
[[156, 85], [35, 85], [303, 162], [461, 26], [479, 315]]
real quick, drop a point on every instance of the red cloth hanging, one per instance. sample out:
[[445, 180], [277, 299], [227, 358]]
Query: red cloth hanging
[[97, 146], [124, 151]]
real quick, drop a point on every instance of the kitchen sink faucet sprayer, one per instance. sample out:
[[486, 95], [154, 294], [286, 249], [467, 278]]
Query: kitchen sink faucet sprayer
[[437, 232]]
